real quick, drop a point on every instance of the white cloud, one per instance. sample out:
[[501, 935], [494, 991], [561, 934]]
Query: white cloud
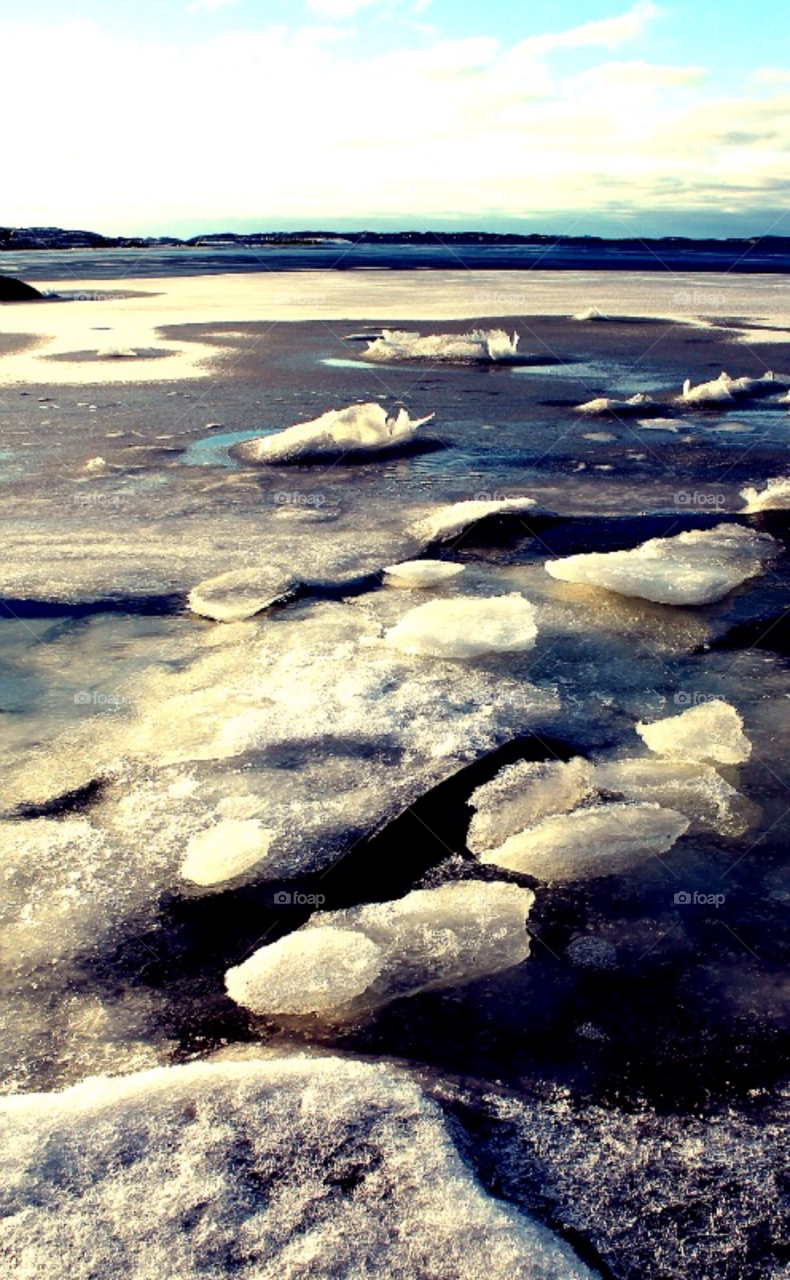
[[281, 124]]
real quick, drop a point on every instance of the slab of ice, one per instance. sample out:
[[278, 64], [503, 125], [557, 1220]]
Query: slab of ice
[[365, 428], [240, 593], [343, 962], [691, 787], [691, 569], [768, 384], [466, 627], [600, 841], [479, 345], [310, 971], [273, 1169], [712, 731], [447, 522], [421, 573], [604, 404], [715, 392], [774, 497], [590, 313], [521, 794], [225, 850]]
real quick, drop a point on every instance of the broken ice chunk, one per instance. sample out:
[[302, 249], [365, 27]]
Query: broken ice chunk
[[635, 404], [693, 568], [343, 962], [686, 785], [272, 1169], [774, 497], [466, 627], [712, 731], [601, 841], [225, 850], [590, 313], [241, 593], [714, 392], [367, 428], [468, 348], [453, 519], [421, 573], [523, 793], [309, 971]]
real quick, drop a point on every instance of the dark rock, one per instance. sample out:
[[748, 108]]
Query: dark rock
[[12, 290]]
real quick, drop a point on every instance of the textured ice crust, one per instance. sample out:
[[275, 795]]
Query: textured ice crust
[[466, 627], [600, 841], [360, 428], [712, 731], [266, 1170], [240, 593], [774, 497], [225, 850], [481, 345], [455, 518], [521, 794], [639, 403], [693, 788], [421, 573], [343, 962], [694, 568]]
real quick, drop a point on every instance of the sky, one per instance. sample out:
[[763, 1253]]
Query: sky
[[587, 117]]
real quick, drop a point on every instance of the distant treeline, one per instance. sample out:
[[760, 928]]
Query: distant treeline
[[31, 238]]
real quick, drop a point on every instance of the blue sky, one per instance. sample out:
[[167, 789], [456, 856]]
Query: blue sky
[[600, 118]]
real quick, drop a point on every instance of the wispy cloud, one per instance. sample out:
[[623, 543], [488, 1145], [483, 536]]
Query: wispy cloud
[[299, 125]]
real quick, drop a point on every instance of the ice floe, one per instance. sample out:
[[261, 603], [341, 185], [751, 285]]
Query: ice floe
[[522, 794], [455, 518], [638, 403], [716, 391], [590, 313], [343, 962], [240, 593], [224, 850], [774, 497], [484, 345], [599, 841], [694, 568], [270, 1169], [466, 627], [712, 731], [421, 573], [693, 788], [360, 428]]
